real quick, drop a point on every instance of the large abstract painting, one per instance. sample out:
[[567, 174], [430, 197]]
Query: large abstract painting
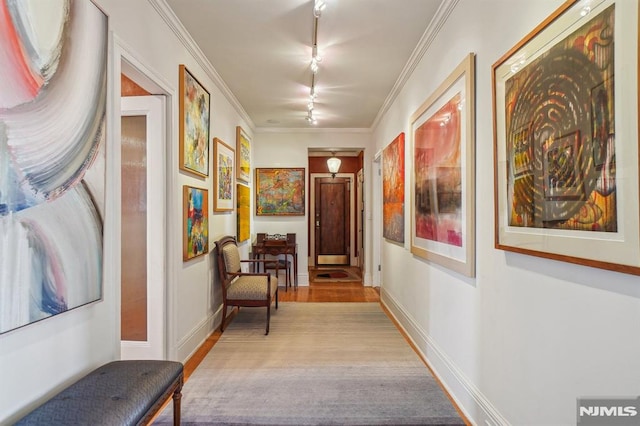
[[195, 238], [393, 190], [443, 200], [280, 192], [53, 62], [558, 155]]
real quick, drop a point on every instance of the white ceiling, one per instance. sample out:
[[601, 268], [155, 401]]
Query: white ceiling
[[262, 50]]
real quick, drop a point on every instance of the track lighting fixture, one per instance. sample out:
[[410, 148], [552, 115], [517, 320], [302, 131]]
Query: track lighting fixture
[[313, 93], [318, 7], [310, 118]]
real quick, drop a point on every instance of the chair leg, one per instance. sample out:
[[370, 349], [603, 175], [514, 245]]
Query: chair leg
[[286, 278], [268, 317], [224, 316]]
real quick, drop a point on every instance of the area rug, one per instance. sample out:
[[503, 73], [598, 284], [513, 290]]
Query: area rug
[[321, 364], [334, 275]]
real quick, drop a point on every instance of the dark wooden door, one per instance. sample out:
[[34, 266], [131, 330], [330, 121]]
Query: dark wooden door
[[332, 211]]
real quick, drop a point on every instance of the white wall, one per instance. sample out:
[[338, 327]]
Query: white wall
[[521, 341], [291, 149], [516, 344], [38, 360]]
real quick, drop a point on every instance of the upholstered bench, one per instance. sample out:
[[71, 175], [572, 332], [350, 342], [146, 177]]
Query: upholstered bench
[[118, 393]]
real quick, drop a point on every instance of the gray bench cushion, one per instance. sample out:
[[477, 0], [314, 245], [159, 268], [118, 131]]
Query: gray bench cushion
[[118, 393]]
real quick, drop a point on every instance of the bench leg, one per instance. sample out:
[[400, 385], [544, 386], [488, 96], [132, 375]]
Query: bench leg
[[177, 398]]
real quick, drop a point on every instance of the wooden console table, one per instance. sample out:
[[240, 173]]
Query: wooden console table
[[275, 245]]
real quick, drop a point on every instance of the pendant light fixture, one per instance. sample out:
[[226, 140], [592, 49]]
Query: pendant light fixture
[[333, 164]]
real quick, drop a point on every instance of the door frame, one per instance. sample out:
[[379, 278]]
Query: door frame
[[353, 259], [125, 61], [376, 222], [347, 185], [155, 345], [360, 218]]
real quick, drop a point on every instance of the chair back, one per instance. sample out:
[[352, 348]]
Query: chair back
[[228, 257]]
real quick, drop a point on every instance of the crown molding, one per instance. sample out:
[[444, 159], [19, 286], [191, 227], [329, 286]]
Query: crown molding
[[311, 130], [172, 21], [441, 16]]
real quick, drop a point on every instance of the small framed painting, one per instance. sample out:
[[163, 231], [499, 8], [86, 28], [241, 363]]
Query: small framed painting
[[443, 200], [243, 148], [224, 163], [195, 230], [193, 124], [280, 192]]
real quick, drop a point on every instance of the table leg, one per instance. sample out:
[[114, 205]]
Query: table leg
[[295, 270]]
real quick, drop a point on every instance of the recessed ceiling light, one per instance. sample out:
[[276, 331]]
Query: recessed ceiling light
[[272, 121]]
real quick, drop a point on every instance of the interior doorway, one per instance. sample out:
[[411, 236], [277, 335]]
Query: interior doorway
[[348, 232], [332, 217], [143, 280]]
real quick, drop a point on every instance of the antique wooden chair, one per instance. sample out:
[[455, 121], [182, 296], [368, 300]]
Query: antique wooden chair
[[273, 263], [273, 247], [243, 288]]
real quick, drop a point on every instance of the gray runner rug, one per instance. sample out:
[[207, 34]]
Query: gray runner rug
[[321, 364]]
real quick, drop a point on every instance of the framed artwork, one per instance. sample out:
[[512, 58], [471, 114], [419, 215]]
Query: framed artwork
[[393, 190], [243, 148], [280, 192], [566, 159], [443, 190], [52, 150], [194, 124], [195, 229], [243, 212], [224, 162]]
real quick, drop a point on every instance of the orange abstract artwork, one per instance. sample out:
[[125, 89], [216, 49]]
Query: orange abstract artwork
[[393, 190]]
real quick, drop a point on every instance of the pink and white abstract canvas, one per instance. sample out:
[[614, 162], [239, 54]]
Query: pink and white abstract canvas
[[53, 83]]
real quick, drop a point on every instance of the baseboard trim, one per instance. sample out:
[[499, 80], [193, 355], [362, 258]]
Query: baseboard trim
[[188, 346], [473, 404], [303, 279]]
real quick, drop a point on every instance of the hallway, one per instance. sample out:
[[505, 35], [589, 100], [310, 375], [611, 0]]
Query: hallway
[[315, 292]]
